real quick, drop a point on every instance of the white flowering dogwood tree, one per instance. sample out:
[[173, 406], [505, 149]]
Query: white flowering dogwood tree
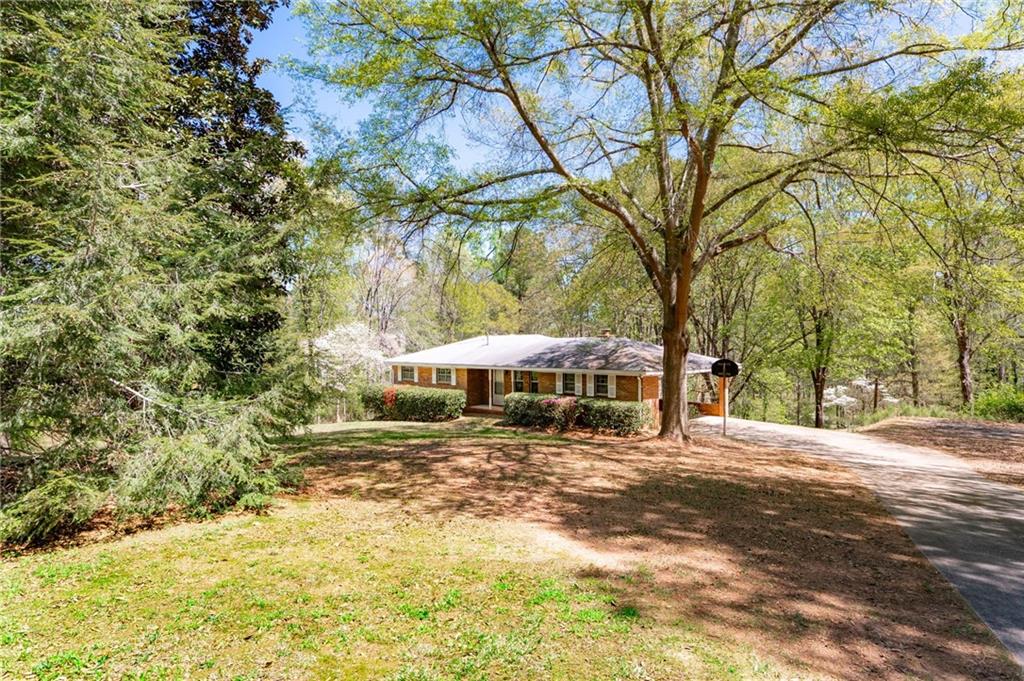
[[353, 354]]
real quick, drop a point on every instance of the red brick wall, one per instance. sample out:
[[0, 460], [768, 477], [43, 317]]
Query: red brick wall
[[425, 374], [626, 388], [652, 387], [546, 382]]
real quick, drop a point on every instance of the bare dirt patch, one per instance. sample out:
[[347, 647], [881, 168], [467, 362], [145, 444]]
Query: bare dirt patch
[[994, 450], [769, 547]]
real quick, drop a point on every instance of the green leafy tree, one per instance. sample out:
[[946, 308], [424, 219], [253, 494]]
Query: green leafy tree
[[725, 105], [323, 238], [532, 273], [967, 224]]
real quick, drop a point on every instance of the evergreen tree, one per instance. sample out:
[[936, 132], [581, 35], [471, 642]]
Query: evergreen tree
[[251, 165], [123, 274]]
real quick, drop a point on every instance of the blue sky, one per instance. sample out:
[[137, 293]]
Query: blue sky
[[286, 38]]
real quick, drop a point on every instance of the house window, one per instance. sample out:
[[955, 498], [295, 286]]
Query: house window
[[443, 375], [534, 382], [601, 385], [408, 374], [569, 384], [517, 381]]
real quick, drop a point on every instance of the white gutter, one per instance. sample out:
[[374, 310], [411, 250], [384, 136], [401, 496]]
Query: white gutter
[[531, 369], [624, 372]]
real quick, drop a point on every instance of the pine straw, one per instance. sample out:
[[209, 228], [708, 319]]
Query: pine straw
[[781, 551], [469, 550], [995, 450]]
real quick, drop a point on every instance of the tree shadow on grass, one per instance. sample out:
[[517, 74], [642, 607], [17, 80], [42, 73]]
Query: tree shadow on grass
[[787, 553]]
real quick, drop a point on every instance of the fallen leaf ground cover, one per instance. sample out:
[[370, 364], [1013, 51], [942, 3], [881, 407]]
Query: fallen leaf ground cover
[[993, 449], [470, 551]]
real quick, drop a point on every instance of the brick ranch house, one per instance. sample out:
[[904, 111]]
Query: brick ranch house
[[487, 368]]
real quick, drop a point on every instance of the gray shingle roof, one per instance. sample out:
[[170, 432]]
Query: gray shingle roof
[[545, 352]]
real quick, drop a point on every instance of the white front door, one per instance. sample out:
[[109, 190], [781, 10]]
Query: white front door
[[498, 388]]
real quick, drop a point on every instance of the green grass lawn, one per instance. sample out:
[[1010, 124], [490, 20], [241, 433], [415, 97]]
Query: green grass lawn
[[356, 433], [341, 588]]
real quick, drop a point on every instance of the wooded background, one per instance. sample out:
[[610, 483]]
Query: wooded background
[[825, 191]]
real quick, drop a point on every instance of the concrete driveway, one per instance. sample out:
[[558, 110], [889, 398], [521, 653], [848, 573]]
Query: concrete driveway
[[970, 528]]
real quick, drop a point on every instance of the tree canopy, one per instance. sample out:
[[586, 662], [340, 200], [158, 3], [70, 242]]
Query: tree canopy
[[144, 270], [827, 191], [686, 126]]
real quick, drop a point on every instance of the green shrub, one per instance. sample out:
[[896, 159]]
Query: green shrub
[[1002, 403], [413, 404], [524, 409], [193, 472], [621, 418], [541, 410], [429, 404], [554, 411], [62, 504], [253, 501], [372, 398]]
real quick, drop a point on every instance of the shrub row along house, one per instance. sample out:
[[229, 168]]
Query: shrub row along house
[[487, 368]]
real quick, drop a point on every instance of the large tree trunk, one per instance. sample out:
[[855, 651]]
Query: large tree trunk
[[674, 407], [819, 377], [963, 360]]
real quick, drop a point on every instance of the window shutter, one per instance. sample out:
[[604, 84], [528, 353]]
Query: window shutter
[[611, 386], [590, 385], [558, 383], [433, 375], [579, 384], [453, 376]]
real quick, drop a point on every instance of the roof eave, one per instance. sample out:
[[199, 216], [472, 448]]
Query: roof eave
[[631, 372]]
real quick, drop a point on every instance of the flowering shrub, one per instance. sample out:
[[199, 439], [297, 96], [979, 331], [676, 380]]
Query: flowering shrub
[[351, 355], [560, 411], [413, 404], [563, 413]]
